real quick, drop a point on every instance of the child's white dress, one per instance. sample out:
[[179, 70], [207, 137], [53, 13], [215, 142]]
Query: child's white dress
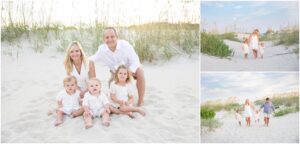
[[254, 42], [83, 77], [256, 116], [238, 117], [245, 49], [96, 104], [121, 92], [70, 102], [261, 50]]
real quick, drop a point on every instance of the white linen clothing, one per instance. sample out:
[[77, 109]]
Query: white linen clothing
[[245, 49], [121, 92], [70, 103], [83, 77], [261, 50], [254, 42], [248, 111], [123, 55], [256, 116], [238, 116], [96, 104]]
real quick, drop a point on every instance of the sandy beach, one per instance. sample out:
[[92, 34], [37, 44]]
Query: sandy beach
[[276, 58], [31, 81], [284, 129]]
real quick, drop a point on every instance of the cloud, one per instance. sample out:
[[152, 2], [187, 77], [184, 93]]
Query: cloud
[[238, 7], [246, 85]]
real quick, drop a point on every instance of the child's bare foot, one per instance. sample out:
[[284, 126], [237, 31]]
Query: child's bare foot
[[142, 112], [130, 114], [107, 123], [57, 123], [87, 126]]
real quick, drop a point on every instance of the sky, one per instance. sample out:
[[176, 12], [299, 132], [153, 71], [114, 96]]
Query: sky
[[248, 15], [112, 12], [251, 85]]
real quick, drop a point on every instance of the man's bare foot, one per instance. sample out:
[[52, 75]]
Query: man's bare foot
[[57, 123]]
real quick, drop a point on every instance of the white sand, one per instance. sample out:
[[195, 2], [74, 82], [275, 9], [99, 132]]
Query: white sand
[[284, 129], [31, 82], [276, 58]]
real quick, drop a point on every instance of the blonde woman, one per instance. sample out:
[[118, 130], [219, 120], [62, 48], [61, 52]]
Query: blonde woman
[[254, 41], [77, 65], [248, 110]]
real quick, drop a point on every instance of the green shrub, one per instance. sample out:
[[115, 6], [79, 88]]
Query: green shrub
[[212, 45], [210, 123], [285, 111], [207, 113]]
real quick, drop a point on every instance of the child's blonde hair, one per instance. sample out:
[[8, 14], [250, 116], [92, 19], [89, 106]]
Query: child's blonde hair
[[68, 61], [128, 79], [69, 79], [94, 79]]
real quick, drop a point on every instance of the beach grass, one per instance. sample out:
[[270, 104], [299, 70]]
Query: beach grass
[[215, 46], [210, 124], [152, 42], [229, 36], [217, 106], [284, 99], [286, 110]]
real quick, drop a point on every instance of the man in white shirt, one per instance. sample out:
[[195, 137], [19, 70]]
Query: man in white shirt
[[116, 52]]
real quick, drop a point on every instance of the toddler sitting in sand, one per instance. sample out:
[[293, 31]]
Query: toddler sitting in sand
[[68, 101], [121, 91], [238, 116], [95, 104]]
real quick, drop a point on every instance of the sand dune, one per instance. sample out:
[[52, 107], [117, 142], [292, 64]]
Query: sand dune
[[276, 58], [283, 129], [31, 82]]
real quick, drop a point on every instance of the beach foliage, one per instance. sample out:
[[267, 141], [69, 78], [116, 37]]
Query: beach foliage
[[215, 46]]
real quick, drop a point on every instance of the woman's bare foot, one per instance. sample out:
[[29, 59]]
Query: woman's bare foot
[[107, 123], [141, 112], [58, 122]]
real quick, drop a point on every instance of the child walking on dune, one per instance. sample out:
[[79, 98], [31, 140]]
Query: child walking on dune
[[245, 48], [261, 49], [238, 116]]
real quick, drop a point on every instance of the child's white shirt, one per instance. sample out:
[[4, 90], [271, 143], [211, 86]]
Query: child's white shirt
[[261, 49], [95, 103], [245, 48], [238, 116], [256, 116], [69, 102], [122, 92]]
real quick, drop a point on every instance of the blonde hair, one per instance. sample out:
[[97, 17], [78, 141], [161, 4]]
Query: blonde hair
[[68, 61], [246, 40], [128, 79], [69, 79], [94, 79]]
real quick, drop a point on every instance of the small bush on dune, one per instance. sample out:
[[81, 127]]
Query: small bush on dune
[[213, 45]]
